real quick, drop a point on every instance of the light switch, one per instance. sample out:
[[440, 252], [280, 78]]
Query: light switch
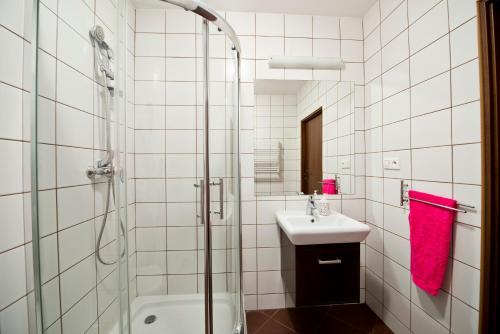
[[391, 163]]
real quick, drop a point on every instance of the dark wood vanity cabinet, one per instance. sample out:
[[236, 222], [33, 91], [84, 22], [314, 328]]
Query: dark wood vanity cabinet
[[320, 274]]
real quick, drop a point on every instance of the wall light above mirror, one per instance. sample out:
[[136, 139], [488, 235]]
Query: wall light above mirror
[[304, 137]]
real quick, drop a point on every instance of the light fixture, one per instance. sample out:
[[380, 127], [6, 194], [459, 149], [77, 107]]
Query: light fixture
[[318, 63]]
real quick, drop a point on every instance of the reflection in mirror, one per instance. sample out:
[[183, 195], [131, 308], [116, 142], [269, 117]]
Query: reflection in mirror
[[304, 137]]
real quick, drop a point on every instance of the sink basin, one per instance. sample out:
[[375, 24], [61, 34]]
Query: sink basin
[[336, 228]]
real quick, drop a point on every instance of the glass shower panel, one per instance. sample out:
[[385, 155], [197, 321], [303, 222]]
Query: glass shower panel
[[77, 160], [224, 190]]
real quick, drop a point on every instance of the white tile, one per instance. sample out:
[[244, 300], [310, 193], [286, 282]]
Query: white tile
[[396, 107], [326, 27], [417, 9], [469, 194], [181, 262], [74, 89], [397, 276], [11, 116], [75, 205], [180, 21], [180, 93], [466, 283], [11, 180], [298, 47], [74, 127], [431, 129], [352, 51], [465, 83], [396, 221], [431, 95], [351, 28], [82, 315], [268, 236], [373, 67], [422, 323], [74, 50], [181, 190], [298, 25], [387, 6], [464, 319], [150, 190], [151, 285], [47, 30], [12, 15], [180, 45], [394, 24], [242, 23], [182, 284], [392, 322], [77, 14], [150, 141], [181, 238], [151, 214], [397, 248], [150, 92], [438, 307], [149, 45], [396, 79], [271, 301], [181, 69], [395, 51], [180, 117], [431, 61], [396, 136], [371, 19], [462, 42], [467, 244], [76, 282], [374, 261], [149, 117], [269, 282], [466, 123], [461, 11], [266, 211], [14, 319], [181, 165], [11, 230], [14, 279], [149, 165], [106, 11], [180, 141], [372, 43], [151, 239], [69, 165], [268, 259], [429, 28], [432, 164], [397, 304], [268, 24], [467, 164], [47, 76], [150, 68], [11, 63], [267, 47]]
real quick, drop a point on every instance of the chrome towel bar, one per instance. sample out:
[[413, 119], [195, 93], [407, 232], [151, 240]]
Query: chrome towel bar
[[405, 199]]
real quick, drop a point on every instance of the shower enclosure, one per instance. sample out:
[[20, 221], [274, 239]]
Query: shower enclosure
[[135, 168]]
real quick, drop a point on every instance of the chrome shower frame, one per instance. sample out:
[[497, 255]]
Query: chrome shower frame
[[210, 15]]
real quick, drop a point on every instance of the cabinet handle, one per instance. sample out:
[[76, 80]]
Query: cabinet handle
[[336, 261]]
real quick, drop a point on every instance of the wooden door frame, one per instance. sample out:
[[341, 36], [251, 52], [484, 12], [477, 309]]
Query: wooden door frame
[[489, 56], [315, 113]]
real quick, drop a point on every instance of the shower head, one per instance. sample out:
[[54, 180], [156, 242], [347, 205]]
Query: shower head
[[97, 33]]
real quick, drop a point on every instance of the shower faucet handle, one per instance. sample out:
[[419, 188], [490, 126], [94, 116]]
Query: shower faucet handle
[[92, 172]]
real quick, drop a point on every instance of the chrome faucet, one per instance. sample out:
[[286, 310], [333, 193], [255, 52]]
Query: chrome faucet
[[312, 208]]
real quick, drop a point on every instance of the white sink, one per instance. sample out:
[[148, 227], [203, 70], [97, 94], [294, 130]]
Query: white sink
[[336, 228]]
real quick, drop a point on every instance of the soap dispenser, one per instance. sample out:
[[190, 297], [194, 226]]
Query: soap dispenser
[[324, 206]]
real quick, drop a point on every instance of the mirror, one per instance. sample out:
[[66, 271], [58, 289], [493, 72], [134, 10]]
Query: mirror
[[304, 137]]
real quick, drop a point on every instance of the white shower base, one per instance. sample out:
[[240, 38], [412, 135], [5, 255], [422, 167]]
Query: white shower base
[[181, 314]]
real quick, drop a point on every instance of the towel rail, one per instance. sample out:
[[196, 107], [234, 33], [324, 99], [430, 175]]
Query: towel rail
[[404, 199]]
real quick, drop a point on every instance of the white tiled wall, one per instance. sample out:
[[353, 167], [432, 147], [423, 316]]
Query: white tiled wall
[[276, 121], [422, 106], [263, 35], [70, 136]]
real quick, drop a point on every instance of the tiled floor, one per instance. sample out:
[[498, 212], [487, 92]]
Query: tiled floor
[[338, 319]]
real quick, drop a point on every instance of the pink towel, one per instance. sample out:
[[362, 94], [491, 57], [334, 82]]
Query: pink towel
[[430, 236], [329, 187]]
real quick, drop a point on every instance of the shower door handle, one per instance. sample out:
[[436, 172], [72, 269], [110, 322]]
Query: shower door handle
[[221, 197], [202, 200]]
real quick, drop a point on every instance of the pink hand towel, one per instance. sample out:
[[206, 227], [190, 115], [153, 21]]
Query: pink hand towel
[[430, 236]]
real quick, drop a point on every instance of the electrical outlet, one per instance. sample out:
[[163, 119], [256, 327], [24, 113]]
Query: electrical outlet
[[391, 163]]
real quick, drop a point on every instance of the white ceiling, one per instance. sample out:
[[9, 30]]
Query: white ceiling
[[312, 7]]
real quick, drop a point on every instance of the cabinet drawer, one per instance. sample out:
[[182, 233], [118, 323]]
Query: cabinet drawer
[[327, 274]]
